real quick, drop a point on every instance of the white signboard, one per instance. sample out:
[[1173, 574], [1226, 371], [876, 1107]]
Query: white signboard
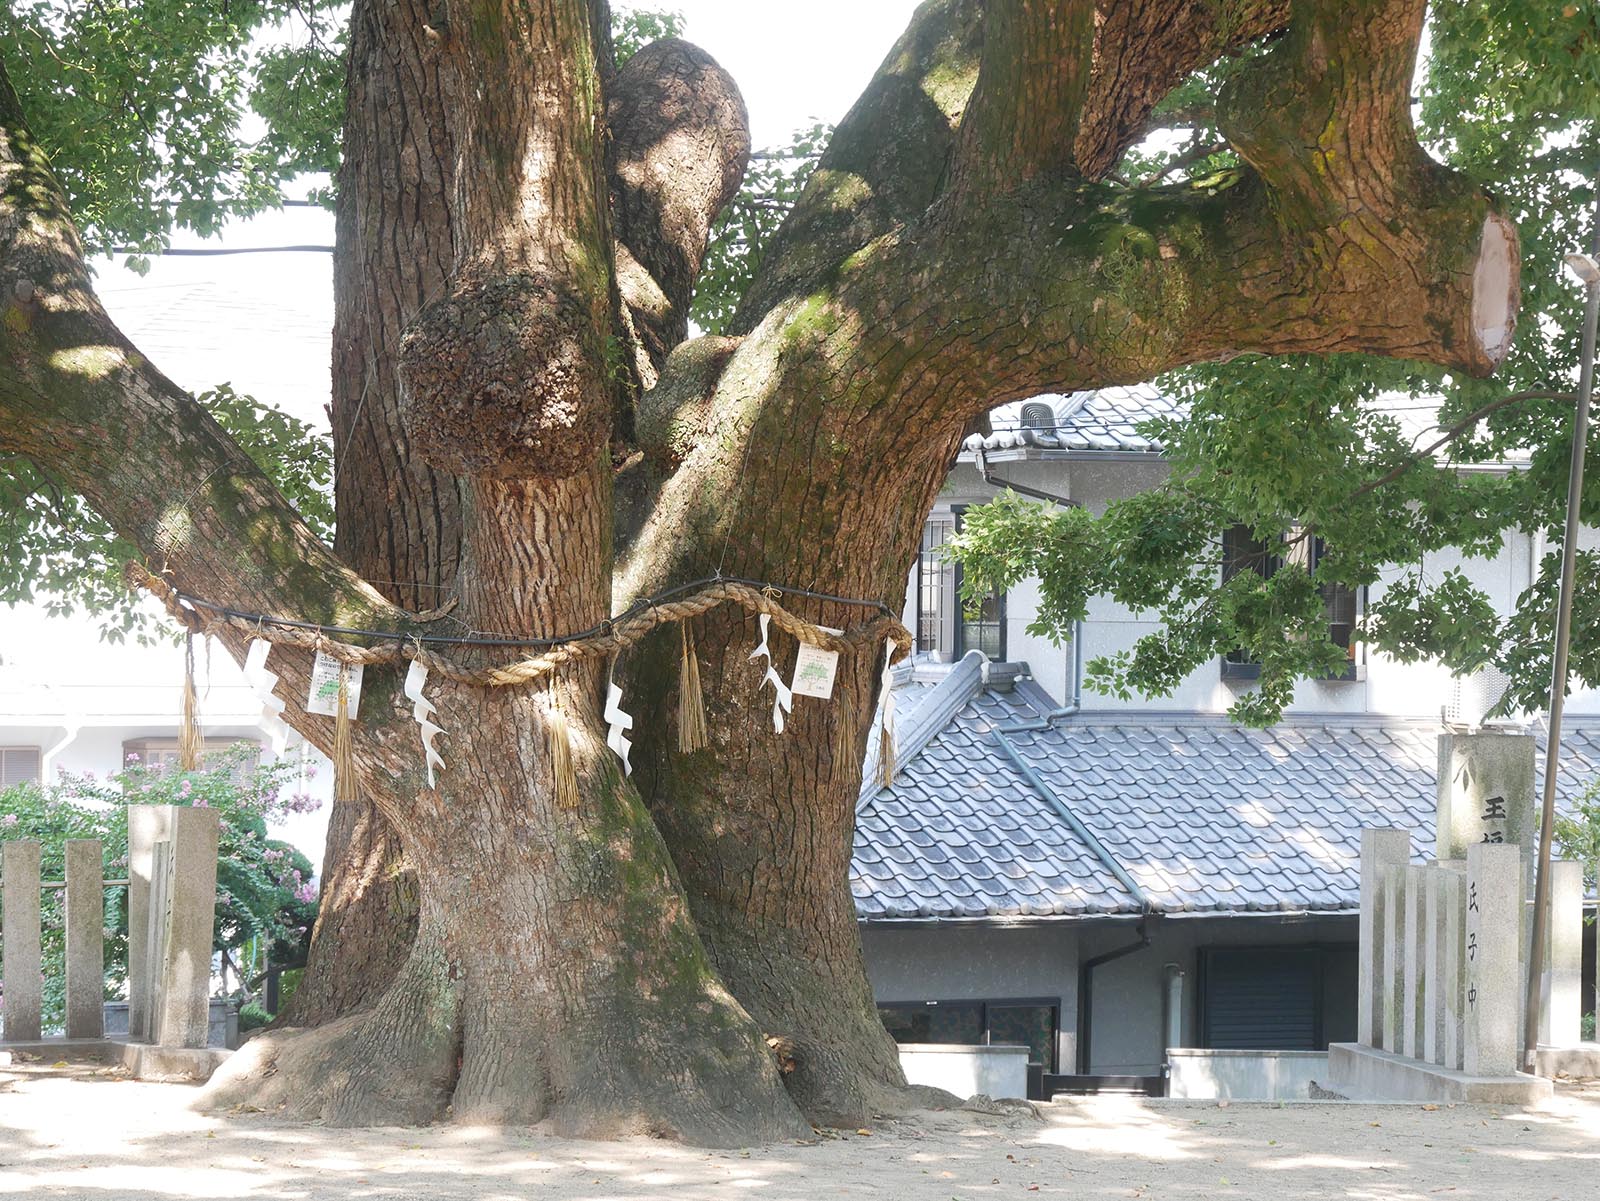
[[814, 671], [324, 695]]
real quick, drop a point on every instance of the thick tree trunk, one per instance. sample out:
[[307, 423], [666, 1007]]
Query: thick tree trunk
[[557, 962], [398, 520], [761, 824]]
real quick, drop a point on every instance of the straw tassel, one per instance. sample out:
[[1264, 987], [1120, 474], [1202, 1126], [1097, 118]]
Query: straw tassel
[[189, 740], [344, 766], [846, 751], [691, 703], [561, 761], [886, 749]]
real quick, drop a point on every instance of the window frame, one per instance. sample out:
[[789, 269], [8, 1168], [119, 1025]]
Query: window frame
[[1237, 668], [38, 763], [942, 616], [984, 1004], [167, 745], [954, 635]]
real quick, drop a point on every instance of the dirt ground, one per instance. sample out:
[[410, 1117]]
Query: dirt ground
[[86, 1133]]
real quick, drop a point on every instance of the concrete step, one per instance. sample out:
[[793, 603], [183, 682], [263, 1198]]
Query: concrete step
[[1368, 1074]]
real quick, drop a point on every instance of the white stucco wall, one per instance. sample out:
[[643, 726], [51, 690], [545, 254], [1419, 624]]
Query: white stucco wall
[[1386, 689], [64, 690]]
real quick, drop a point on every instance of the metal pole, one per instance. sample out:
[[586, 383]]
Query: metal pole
[[1558, 672]]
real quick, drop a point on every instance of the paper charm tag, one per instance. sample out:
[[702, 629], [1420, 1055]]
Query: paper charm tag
[[323, 696], [262, 681], [422, 710], [814, 670], [617, 725], [782, 697]]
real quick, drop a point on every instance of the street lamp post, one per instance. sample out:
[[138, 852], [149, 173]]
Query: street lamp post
[[1586, 268]]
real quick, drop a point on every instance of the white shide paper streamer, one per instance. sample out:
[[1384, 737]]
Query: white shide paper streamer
[[782, 698], [618, 724], [422, 709], [886, 703], [262, 681]]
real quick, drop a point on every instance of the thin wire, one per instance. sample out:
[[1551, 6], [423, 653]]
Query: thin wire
[[633, 610]]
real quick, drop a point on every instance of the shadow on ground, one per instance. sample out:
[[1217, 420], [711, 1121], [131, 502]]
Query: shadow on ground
[[85, 1132]]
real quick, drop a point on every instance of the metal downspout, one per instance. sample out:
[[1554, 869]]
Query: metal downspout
[[1086, 969], [1086, 988], [1055, 802]]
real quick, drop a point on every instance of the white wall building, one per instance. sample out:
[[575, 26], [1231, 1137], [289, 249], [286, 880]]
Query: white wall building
[[1103, 879]]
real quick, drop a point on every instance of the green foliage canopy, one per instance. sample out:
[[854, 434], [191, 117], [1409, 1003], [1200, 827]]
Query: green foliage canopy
[[1296, 448]]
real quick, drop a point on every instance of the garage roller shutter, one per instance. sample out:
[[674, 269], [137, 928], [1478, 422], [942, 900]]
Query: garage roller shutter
[[1261, 999]]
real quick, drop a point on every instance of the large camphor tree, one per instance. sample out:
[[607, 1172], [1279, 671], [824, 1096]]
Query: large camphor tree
[[525, 428]]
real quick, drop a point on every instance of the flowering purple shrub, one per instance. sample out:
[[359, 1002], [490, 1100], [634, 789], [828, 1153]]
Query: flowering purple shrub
[[266, 898]]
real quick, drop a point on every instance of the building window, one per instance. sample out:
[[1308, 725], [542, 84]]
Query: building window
[[935, 591], [948, 627], [161, 754], [1030, 1023], [1286, 998], [1242, 551], [19, 765]]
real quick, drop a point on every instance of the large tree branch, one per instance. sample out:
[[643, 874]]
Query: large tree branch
[[1022, 120], [886, 160], [77, 398], [1145, 48], [680, 141]]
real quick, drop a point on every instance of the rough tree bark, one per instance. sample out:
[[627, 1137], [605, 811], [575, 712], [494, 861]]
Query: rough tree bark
[[678, 147], [617, 964], [397, 519]]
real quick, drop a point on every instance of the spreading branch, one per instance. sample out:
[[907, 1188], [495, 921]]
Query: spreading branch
[[680, 141], [1022, 120], [1144, 49], [78, 399]]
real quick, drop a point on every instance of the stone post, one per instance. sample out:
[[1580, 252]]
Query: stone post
[[1394, 924], [1414, 949], [1379, 849], [19, 910], [1445, 984], [184, 1002], [1561, 1022], [1486, 792], [86, 939], [1492, 1034], [147, 825]]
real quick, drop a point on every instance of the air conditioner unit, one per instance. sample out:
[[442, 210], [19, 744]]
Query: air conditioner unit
[[1473, 695]]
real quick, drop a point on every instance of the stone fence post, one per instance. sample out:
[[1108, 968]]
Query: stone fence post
[[1492, 1032], [86, 939], [19, 909], [1380, 849]]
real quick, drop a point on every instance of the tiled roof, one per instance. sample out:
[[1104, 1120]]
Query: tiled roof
[[1204, 816], [962, 834], [1219, 817], [1107, 420], [1100, 420]]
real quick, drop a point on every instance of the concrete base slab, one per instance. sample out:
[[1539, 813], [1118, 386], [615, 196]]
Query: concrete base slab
[[141, 1060], [1582, 1059], [1363, 1073]]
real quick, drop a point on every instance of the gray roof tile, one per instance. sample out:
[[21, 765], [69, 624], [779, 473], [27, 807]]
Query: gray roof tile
[[1205, 817]]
